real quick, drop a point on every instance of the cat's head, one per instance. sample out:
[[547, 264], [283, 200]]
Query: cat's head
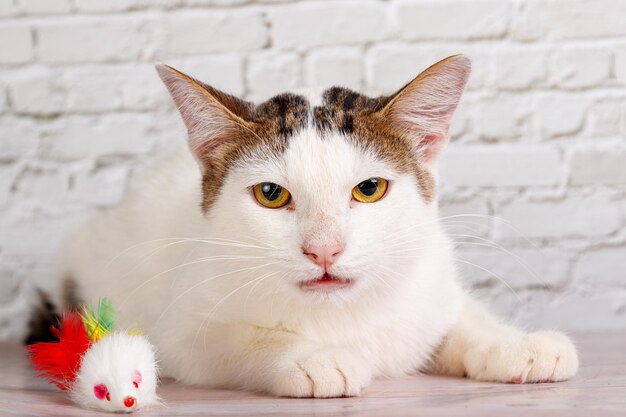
[[338, 193]]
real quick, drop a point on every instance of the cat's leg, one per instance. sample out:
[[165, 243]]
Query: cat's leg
[[276, 361], [482, 348]]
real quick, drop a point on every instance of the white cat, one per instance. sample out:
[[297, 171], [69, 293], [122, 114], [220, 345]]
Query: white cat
[[296, 249]]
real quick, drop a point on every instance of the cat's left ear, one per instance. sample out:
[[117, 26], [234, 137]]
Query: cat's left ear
[[422, 109]]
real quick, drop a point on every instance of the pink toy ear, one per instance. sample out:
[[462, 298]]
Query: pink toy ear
[[101, 392], [136, 378]]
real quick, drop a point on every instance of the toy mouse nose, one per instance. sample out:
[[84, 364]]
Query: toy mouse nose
[[323, 256], [129, 402]]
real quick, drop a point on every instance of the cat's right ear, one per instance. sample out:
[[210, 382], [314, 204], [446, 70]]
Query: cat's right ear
[[209, 114]]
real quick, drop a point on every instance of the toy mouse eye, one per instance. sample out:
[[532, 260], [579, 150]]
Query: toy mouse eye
[[101, 392], [136, 378]]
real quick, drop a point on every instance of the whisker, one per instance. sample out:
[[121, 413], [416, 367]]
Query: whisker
[[193, 287], [380, 277], [178, 240], [491, 273], [245, 304], [280, 282], [476, 266], [508, 223], [487, 243], [440, 220], [197, 261], [495, 245], [207, 320]]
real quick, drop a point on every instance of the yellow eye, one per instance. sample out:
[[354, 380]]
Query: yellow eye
[[271, 195], [370, 191]]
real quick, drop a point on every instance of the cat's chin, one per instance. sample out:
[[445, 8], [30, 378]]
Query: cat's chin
[[325, 284]]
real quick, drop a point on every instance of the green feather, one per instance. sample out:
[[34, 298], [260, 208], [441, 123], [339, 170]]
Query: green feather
[[106, 314], [102, 322]]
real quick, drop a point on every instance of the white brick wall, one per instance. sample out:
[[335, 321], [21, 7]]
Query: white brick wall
[[538, 141]]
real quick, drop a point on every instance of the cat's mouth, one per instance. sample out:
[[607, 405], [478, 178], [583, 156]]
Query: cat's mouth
[[325, 283]]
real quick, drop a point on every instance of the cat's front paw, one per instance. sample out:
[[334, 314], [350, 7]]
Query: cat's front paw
[[325, 373], [535, 357]]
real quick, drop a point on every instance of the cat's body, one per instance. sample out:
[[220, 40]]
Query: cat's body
[[319, 295], [385, 330]]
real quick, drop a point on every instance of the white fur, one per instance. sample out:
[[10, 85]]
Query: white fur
[[389, 318], [218, 293], [112, 362], [268, 335]]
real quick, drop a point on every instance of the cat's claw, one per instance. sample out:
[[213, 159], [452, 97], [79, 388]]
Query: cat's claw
[[543, 356], [326, 373]]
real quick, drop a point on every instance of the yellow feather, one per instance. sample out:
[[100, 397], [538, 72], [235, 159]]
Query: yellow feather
[[136, 331], [95, 329]]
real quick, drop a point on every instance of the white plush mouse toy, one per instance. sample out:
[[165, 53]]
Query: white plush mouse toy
[[100, 368]]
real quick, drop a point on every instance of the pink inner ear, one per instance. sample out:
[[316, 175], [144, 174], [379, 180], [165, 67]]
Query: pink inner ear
[[431, 146], [137, 377], [100, 391]]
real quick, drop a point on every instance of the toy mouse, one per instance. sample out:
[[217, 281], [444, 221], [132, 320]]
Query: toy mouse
[[101, 369]]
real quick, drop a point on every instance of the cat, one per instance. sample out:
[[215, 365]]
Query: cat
[[295, 248]]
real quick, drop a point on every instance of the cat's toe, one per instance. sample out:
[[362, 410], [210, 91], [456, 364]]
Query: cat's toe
[[536, 357], [323, 374], [556, 357]]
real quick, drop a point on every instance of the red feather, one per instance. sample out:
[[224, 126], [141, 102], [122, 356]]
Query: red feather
[[60, 361]]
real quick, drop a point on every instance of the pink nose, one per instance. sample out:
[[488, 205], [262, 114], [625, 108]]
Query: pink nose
[[324, 256]]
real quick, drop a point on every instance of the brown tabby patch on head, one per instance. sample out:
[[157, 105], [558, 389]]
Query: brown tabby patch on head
[[268, 127], [359, 117], [341, 106], [264, 128], [282, 116]]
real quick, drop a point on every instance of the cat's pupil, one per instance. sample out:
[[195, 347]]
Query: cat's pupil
[[271, 191], [368, 187]]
